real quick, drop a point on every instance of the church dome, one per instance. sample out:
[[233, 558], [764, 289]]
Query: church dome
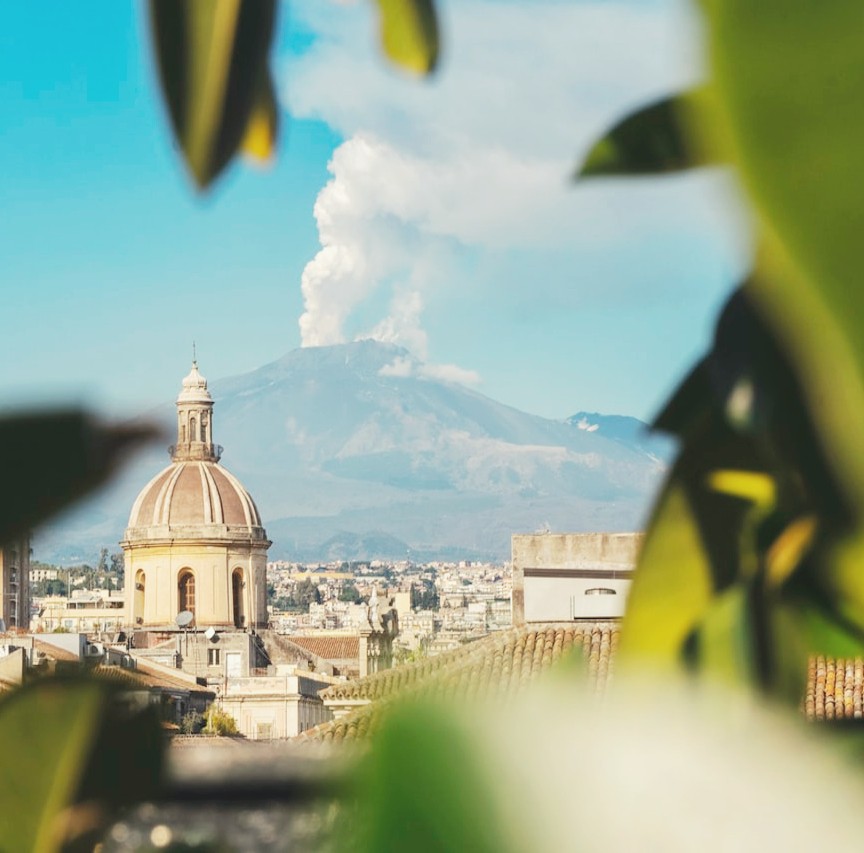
[[194, 497], [195, 494], [195, 543]]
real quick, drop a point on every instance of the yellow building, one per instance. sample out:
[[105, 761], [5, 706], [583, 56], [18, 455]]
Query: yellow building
[[195, 541]]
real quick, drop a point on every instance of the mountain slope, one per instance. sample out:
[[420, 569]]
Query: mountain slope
[[337, 443]]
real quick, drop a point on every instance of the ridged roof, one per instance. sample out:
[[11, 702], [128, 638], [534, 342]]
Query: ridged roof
[[332, 648], [835, 689], [144, 677], [501, 664], [192, 494]]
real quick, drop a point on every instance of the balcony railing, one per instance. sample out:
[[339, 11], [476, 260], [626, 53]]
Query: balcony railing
[[196, 450]]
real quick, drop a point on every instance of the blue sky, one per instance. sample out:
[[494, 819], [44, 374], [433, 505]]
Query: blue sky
[[448, 223]]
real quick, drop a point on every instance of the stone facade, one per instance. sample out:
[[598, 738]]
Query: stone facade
[[15, 584], [276, 706], [562, 577]]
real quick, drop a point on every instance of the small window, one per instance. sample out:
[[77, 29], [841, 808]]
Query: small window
[[186, 590], [214, 657], [600, 590], [264, 731]]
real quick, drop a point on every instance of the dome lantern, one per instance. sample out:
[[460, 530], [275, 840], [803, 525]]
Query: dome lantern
[[195, 421]]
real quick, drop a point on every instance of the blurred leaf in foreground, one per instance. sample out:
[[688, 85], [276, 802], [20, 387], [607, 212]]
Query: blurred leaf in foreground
[[652, 140], [46, 732], [409, 33], [52, 458], [65, 741], [422, 789], [789, 80], [259, 143], [212, 56], [746, 521]]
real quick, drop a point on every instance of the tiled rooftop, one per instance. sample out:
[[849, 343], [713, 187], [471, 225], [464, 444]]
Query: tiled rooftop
[[332, 648], [55, 652], [144, 677], [500, 664], [835, 689], [506, 662]]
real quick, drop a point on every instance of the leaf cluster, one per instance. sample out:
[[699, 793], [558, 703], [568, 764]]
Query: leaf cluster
[[752, 558], [214, 70]]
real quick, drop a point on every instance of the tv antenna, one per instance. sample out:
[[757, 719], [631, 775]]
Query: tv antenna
[[183, 620]]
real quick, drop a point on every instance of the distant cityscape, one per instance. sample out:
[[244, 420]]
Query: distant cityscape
[[440, 605]]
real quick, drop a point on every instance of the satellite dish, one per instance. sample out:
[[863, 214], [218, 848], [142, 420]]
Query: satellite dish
[[184, 618], [210, 634]]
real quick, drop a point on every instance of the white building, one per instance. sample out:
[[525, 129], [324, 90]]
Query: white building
[[562, 577]]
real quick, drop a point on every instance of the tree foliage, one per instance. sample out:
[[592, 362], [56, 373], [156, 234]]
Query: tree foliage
[[350, 593], [306, 592], [424, 596], [219, 722]]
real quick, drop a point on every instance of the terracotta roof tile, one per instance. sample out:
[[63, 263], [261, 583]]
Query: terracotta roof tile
[[144, 677], [505, 663], [332, 648], [501, 664], [55, 652], [835, 688]]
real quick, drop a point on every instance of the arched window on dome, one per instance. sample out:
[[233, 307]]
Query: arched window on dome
[[138, 597], [192, 434], [186, 591], [238, 595]]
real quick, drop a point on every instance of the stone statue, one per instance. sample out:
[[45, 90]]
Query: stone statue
[[373, 609]]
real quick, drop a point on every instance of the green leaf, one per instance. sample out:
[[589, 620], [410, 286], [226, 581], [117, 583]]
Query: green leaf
[[653, 140], [787, 551], [409, 33], [755, 486], [789, 80], [672, 586], [211, 56], [128, 735], [46, 732], [52, 458], [68, 740], [420, 788], [723, 643]]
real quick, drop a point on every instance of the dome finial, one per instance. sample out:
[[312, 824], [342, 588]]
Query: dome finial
[[194, 356]]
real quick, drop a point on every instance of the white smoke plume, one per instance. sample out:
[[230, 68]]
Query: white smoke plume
[[478, 162]]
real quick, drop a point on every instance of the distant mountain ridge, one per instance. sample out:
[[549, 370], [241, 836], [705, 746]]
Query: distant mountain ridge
[[626, 430], [358, 450]]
